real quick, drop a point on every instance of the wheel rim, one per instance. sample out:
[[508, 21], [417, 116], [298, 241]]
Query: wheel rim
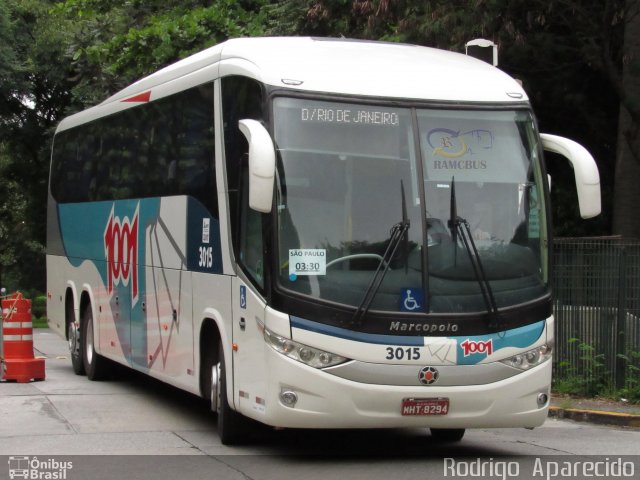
[[89, 341], [73, 339], [215, 388]]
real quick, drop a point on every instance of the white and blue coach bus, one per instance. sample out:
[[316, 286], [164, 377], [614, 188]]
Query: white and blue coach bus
[[314, 233]]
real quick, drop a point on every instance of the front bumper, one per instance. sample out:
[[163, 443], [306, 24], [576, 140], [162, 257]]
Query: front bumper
[[328, 401]]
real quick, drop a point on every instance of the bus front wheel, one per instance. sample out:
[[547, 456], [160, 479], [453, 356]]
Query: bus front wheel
[[231, 424]]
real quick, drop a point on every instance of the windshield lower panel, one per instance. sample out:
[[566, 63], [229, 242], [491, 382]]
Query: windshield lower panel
[[364, 189]]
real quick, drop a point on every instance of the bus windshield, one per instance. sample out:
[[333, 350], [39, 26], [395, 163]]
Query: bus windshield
[[354, 180]]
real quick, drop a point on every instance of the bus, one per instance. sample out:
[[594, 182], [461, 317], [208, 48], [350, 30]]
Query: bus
[[314, 233]]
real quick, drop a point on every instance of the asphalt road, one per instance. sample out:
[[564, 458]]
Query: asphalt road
[[135, 427]]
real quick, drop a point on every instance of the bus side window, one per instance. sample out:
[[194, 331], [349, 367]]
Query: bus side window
[[162, 148], [62, 168]]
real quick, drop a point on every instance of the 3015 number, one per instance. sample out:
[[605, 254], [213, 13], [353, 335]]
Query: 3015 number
[[400, 353], [206, 257]]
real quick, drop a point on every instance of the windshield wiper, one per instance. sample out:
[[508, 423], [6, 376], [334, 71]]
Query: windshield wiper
[[460, 227], [398, 232]]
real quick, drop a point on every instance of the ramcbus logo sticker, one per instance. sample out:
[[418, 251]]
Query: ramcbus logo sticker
[[121, 252], [470, 347]]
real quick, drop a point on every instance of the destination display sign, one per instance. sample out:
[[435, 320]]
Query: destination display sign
[[350, 116]]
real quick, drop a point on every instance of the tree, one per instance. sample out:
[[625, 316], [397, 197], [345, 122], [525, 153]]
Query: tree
[[568, 54], [10, 67], [15, 241], [57, 58], [35, 93], [627, 176], [12, 206], [578, 60], [116, 42]]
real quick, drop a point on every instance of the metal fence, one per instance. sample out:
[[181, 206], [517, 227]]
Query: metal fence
[[596, 285]]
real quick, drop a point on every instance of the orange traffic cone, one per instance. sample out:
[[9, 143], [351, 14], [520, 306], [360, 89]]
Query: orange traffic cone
[[18, 362]]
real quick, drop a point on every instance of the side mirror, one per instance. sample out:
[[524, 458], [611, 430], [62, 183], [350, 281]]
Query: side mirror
[[262, 165], [584, 169]]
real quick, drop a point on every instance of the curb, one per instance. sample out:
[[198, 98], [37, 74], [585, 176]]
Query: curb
[[596, 416]]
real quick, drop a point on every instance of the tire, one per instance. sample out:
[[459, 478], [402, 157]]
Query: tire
[[232, 426], [448, 435], [76, 345], [95, 365]]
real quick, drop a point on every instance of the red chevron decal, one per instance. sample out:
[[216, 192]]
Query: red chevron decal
[[141, 97]]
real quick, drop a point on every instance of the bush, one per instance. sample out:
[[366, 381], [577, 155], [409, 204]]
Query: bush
[[591, 377], [39, 306]]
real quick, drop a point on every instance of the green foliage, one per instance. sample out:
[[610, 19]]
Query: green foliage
[[40, 323], [11, 69], [170, 35], [33, 94], [116, 42], [15, 234], [631, 391], [39, 306], [590, 376], [58, 57], [587, 378], [566, 53], [10, 66]]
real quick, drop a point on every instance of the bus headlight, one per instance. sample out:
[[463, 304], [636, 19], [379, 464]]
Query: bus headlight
[[530, 358], [302, 353]]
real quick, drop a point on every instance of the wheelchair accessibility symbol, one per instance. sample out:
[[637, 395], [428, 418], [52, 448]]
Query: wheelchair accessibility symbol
[[411, 300], [243, 296]]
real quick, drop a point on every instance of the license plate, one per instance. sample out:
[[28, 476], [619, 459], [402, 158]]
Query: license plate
[[425, 406]]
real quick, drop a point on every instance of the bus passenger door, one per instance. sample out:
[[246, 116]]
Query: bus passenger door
[[250, 373]]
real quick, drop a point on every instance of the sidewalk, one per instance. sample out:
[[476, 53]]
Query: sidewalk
[[595, 410]]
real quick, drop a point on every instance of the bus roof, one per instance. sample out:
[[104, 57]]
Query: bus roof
[[338, 66]]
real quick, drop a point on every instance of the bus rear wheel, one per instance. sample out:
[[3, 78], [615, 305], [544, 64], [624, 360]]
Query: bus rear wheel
[[76, 349], [95, 365], [447, 434]]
